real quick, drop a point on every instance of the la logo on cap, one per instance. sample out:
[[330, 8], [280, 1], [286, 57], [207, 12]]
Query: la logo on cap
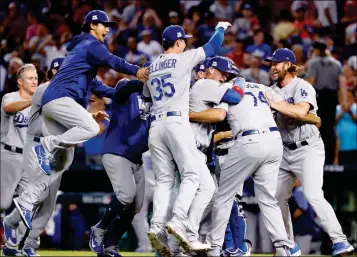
[[214, 64], [179, 34], [94, 17], [55, 64], [202, 66]]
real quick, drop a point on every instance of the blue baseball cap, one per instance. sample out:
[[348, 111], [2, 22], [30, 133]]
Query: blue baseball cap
[[282, 55], [55, 64], [173, 33], [98, 16], [200, 67], [223, 64]]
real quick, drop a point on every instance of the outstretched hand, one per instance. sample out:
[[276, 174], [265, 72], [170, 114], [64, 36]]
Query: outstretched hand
[[223, 24]]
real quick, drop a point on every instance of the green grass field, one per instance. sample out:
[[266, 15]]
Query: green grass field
[[88, 253]]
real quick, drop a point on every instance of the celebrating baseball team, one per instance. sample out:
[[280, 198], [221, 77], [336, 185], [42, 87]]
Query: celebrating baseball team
[[271, 135]]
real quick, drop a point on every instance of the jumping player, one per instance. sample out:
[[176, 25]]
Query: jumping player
[[67, 96]]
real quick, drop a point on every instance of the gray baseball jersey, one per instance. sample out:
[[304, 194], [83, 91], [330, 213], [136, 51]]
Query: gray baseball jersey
[[292, 130], [169, 80], [205, 94], [13, 125], [258, 118]]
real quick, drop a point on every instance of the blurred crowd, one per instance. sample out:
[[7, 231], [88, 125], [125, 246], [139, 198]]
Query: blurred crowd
[[322, 35]]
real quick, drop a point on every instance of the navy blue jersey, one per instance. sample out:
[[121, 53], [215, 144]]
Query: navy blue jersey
[[127, 135], [74, 78]]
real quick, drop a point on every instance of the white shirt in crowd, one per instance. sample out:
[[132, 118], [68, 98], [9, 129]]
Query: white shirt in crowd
[[153, 49], [321, 6]]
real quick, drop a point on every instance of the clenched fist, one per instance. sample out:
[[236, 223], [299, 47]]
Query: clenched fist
[[143, 74], [223, 24]]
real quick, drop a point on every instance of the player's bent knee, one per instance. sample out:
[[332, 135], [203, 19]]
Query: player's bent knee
[[127, 197], [92, 129]]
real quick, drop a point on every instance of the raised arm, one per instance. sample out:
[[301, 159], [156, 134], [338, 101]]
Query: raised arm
[[100, 55], [211, 48]]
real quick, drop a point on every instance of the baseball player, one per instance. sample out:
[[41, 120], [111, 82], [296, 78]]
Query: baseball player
[[125, 142], [256, 152], [15, 109], [304, 152], [67, 96], [42, 188], [235, 242], [205, 94], [171, 141]]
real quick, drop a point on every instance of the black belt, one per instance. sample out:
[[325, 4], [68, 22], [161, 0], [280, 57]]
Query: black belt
[[37, 139], [221, 152], [13, 148], [255, 131], [294, 146], [168, 114]]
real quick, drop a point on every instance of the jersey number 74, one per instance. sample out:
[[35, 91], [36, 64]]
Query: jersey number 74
[[163, 87], [260, 96]]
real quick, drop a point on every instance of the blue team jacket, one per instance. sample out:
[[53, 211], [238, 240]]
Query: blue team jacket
[[100, 89], [79, 68], [127, 134]]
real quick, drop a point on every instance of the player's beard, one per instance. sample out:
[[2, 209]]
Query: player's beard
[[281, 75]]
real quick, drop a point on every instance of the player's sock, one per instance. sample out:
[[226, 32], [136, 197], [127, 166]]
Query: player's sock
[[114, 208], [118, 227], [238, 224]]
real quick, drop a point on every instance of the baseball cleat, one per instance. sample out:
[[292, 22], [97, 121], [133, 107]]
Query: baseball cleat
[[214, 252], [9, 235], [8, 251], [180, 234], [96, 240], [197, 246], [111, 251], [24, 213], [236, 252], [342, 248], [29, 252], [295, 251], [158, 241], [282, 251], [43, 159]]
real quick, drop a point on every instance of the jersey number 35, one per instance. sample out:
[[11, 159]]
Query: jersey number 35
[[163, 88]]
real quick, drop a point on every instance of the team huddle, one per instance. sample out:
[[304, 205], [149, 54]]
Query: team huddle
[[271, 135]]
